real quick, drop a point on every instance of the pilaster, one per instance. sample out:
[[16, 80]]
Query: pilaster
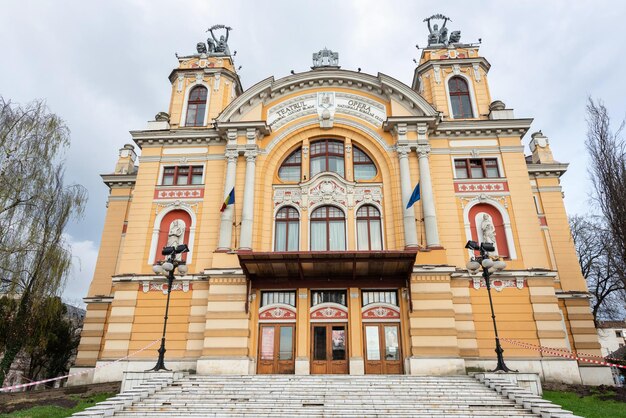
[[226, 224]]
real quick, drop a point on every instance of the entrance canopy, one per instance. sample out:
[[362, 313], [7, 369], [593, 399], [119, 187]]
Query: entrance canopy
[[373, 267]]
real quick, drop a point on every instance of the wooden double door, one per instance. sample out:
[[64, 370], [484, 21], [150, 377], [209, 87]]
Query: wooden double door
[[329, 348], [382, 348], [276, 349]]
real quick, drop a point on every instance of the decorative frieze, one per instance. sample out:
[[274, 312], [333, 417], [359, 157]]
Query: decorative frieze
[[488, 186], [329, 312], [147, 286], [170, 193], [499, 284], [327, 189], [277, 313], [380, 313]]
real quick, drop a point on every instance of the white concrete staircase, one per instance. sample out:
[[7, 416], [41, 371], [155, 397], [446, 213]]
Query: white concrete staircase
[[327, 396]]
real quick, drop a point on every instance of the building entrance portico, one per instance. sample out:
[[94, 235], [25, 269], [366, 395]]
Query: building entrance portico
[[328, 313]]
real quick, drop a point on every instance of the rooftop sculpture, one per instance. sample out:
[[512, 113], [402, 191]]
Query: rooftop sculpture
[[439, 36], [213, 45], [325, 58]]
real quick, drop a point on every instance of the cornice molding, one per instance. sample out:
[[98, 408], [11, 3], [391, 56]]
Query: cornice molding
[[119, 180], [200, 136], [547, 170], [482, 127], [481, 61]]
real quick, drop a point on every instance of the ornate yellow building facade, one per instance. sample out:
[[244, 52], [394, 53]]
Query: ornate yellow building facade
[[319, 266]]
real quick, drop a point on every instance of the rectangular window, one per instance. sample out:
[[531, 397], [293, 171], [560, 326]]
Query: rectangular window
[[182, 175], [476, 168], [284, 297], [380, 296], [328, 296]]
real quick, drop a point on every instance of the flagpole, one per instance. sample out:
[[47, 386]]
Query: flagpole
[[235, 217]]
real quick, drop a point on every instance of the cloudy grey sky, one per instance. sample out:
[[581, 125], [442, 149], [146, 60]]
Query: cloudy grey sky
[[103, 67]]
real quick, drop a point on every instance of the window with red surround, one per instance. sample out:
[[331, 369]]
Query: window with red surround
[[182, 175], [476, 168]]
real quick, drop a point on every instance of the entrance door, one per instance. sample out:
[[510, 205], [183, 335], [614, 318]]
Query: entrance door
[[382, 349], [329, 349], [276, 349]]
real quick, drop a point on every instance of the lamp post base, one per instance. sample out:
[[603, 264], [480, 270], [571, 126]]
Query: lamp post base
[[160, 364], [501, 366]]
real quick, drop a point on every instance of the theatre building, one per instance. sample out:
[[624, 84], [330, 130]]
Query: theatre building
[[319, 263]]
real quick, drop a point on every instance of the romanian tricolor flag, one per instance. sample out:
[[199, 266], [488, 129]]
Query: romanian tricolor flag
[[230, 199]]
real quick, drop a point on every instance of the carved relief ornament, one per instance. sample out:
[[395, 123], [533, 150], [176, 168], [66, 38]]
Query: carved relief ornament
[[327, 189]]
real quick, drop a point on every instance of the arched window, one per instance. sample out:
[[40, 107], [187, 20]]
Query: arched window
[[328, 229], [327, 155], [368, 231], [364, 167], [287, 235], [196, 106], [290, 168], [460, 98]]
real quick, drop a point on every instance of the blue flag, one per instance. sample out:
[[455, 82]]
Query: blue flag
[[414, 197]]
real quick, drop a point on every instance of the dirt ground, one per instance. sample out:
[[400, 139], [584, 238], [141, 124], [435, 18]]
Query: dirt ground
[[604, 392], [10, 402]]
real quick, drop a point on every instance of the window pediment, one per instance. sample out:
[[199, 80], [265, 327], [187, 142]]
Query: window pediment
[[327, 188]]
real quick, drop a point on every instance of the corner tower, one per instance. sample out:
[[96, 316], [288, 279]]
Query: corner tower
[[204, 83], [451, 75]]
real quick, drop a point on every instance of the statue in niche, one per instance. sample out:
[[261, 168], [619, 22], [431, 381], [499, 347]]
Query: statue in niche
[[176, 233], [488, 229], [219, 46]]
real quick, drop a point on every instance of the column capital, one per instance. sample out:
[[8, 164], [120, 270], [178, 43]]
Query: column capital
[[423, 150], [231, 155], [251, 155], [403, 150]]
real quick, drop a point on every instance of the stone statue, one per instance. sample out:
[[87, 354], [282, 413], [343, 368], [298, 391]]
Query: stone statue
[[439, 36], [176, 232], [488, 229], [325, 58], [201, 48], [455, 37], [219, 46]]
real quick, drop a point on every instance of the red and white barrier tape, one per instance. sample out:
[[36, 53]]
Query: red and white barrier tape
[[24, 385], [560, 353]]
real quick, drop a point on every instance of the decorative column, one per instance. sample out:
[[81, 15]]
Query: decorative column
[[410, 232], [226, 226], [428, 201], [245, 240]]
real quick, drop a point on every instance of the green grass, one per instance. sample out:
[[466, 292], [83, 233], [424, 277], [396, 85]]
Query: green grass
[[57, 411], [587, 406]]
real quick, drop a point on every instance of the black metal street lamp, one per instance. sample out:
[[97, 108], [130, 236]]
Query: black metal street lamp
[[489, 266], [167, 267]]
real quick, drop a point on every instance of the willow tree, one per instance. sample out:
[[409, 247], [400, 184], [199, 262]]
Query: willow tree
[[35, 207]]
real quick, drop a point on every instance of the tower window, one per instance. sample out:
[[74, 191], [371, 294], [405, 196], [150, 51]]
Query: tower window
[[327, 155], [460, 98], [290, 168], [287, 230], [196, 106]]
